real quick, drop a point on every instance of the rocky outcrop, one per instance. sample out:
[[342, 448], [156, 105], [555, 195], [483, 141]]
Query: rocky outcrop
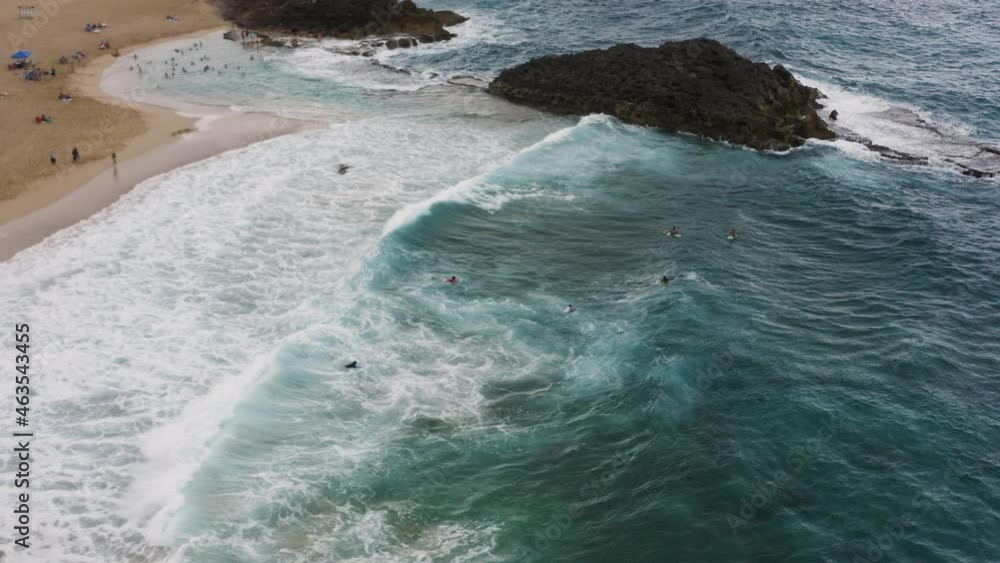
[[698, 86], [920, 142], [350, 19], [984, 164]]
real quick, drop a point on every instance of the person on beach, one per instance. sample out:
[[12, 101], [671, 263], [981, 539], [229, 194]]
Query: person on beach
[[114, 158], [52, 158], [76, 155]]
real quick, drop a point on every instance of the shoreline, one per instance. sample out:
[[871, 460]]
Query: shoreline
[[170, 140]]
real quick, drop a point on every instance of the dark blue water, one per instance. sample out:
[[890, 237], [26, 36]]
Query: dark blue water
[[824, 388]]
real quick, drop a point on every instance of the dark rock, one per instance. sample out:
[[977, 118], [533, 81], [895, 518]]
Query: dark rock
[[833, 115], [424, 38], [698, 86], [392, 44], [984, 164], [231, 35], [431, 424], [449, 18], [392, 68], [268, 41], [345, 19], [893, 154], [405, 42], [470, 81]]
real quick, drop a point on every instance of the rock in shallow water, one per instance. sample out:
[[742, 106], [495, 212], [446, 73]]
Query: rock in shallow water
[[698, 86]]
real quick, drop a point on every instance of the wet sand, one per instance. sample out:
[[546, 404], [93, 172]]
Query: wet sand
[[218, 135]]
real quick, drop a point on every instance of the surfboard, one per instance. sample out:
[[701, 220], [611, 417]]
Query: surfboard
[[730, 237]]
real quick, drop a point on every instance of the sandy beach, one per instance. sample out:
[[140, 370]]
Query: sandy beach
[[38, 198]]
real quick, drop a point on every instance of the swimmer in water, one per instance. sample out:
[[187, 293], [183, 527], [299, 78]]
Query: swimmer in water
[[664, 280], [452, 280], [570, 309], [352, 365]]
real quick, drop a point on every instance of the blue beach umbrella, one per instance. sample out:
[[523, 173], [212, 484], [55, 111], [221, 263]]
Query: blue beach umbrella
[[21, 55]]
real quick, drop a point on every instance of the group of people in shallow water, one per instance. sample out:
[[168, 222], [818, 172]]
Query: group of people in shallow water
[[170, 66]]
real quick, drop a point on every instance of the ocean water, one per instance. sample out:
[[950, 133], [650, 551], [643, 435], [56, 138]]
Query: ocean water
[[823, 388]]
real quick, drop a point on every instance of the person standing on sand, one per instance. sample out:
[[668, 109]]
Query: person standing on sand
[[52, 158], [114, 159], [76, 155]]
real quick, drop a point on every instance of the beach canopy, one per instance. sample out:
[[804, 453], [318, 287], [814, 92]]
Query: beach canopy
[[21, 55]]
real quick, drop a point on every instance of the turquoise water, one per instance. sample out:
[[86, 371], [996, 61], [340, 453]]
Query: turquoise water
[[823, 388]]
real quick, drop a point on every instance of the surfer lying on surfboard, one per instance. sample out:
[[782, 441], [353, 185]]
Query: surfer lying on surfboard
[[732, 234]]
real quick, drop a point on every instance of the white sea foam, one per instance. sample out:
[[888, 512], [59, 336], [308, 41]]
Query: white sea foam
[[480, 28], [162, 315], [176, 449], [478, 189], [898, 126], [353, 70]]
